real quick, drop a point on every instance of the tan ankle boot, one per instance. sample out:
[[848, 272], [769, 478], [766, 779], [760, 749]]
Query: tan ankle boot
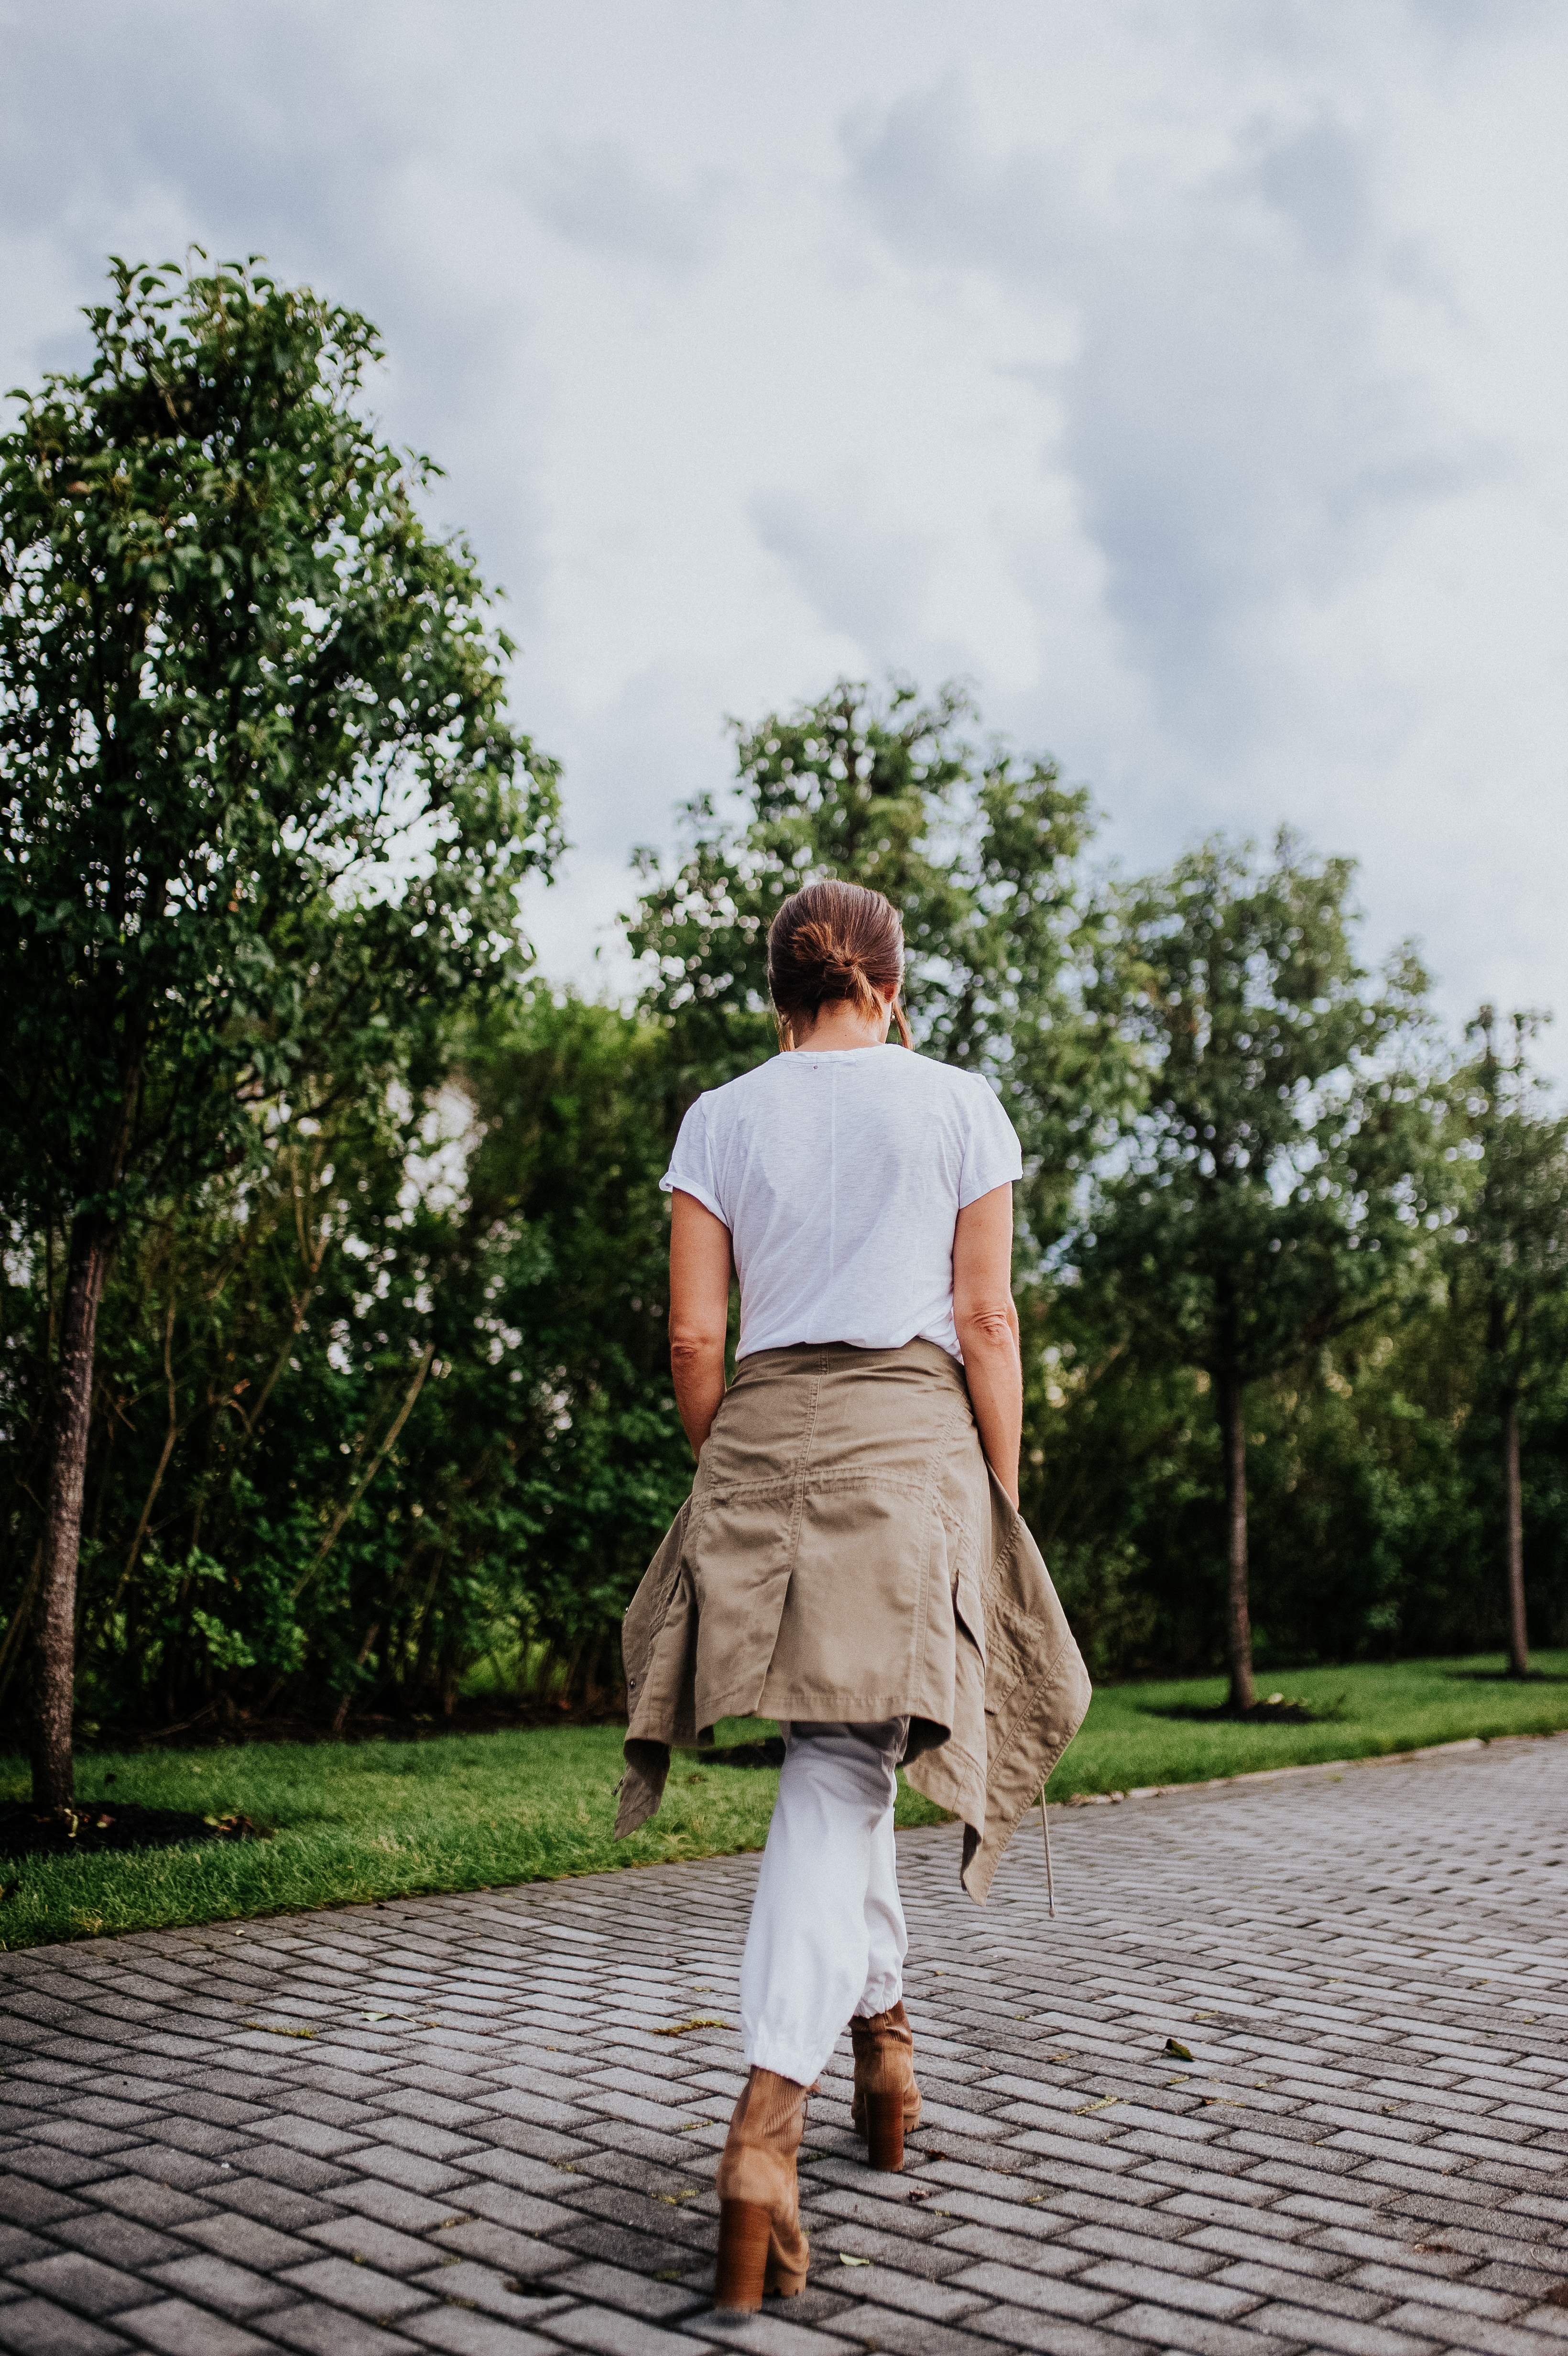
[[887, 2101], [761, 2245]]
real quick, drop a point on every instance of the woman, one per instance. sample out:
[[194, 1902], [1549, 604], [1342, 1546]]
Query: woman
[[850, 1562]]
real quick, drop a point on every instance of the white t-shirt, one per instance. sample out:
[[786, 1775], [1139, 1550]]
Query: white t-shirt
[[840, 1178]]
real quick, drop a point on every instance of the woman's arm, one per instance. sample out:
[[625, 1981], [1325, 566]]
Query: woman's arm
[[698, 1312], [987, 1325]]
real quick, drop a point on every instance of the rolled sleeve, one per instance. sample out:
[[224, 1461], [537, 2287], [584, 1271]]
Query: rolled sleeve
[[692, 1168]]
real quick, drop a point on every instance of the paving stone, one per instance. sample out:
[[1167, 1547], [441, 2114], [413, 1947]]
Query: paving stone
[[1437, 2324], [408, 2169], [18, 2245], [275, 2204], [118, 2241], [1020, 2288], [613, 2286], [615, 2335], [394, 2204], [1342, 2333], [881, 2327], [314, 2136], [297, 2169], [364, 2290], [36, 2326], [1171, 2328], [504, 2246], [1369, 2156], [177, 2171], [218, 2282], [47, 2165], [368, 2243], [76, 2280], [249, 2242], [177, 2328], [770, 2334], [465, 2334], [518, 2298], [24, 2202], [327, 2331], [523, 2212]]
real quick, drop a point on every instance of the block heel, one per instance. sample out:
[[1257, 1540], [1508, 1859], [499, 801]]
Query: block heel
[[744, 2230], [885, 2118], [788, 2280]]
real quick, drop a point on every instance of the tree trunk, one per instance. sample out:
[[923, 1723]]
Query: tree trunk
[[1518, 1646], [1238, 1619], [54, 1780]]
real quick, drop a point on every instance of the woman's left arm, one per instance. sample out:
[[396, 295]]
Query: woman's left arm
[[987, 1321], [698, 1312]]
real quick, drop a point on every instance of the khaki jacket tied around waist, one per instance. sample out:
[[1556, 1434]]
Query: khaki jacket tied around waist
[[846, 1554]]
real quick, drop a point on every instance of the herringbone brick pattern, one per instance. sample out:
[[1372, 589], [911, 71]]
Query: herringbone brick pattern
[[489, 2124]]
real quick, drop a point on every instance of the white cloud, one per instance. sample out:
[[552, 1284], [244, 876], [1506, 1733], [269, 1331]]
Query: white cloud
[[1189, 378]]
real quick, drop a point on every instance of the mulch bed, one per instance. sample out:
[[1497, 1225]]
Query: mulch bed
[[95, 1824], [768, 1752]]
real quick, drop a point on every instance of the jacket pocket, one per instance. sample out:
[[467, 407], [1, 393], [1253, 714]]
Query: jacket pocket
[[969, 1611]]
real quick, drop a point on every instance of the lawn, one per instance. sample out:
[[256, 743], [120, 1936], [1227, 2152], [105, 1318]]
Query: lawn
[[357, 1821]]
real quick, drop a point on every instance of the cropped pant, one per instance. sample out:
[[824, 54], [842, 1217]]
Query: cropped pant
[[827, 1937]]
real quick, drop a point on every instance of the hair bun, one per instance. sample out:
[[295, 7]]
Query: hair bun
[[831, 942]]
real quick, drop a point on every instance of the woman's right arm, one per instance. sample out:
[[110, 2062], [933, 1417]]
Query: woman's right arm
[[698, 1312], [987, 1323]]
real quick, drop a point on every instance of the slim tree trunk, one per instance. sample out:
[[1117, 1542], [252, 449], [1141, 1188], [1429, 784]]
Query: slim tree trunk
[[54, 1780], [1238, 1619], [1518, 1646]]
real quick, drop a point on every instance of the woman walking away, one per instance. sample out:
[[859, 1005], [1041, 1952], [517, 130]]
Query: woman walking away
[[851, 1560]]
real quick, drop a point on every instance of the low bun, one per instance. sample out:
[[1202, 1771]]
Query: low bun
[[832, 943]]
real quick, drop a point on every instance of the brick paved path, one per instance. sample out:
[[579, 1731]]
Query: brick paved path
[[486, 2143]]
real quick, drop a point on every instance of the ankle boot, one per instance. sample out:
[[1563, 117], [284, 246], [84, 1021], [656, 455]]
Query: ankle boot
[[761, 2245], [887, 2101]]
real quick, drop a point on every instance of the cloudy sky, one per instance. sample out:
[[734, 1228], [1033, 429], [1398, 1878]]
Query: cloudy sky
[[1189, 378]]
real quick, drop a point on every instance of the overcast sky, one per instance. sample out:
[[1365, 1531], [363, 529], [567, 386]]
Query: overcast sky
[[1192, 378]]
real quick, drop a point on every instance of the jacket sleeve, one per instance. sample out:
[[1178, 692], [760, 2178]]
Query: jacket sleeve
[[1037, 1689], [658, 1640]]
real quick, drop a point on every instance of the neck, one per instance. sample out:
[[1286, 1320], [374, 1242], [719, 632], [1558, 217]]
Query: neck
[[839, 1025]]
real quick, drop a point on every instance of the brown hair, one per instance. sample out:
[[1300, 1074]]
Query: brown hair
[[833, 941]]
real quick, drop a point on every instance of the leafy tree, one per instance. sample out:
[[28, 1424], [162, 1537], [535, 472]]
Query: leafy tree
[[1512, 1253], [978, 850], [255, 783], [386, 1399], [1271, 1187]]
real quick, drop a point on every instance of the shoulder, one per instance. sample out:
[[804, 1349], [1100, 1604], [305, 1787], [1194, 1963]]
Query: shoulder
[[969, 1092], [718, 1109]]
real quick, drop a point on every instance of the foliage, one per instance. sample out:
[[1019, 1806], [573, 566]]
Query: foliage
[[1273, 1180], [489, 1260], [256, 786], [1511, 1263], [1511, 1255], [978, 851], [381, 1416], [1278, 1176], [255, 776]]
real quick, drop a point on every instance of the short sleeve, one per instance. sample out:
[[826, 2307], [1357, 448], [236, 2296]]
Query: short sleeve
[[691, 1164], [992, 1154]]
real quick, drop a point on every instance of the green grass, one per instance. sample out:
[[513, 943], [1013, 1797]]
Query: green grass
[[1127, 1739], [384, 1819]]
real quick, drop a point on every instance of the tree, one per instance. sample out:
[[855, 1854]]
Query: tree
[[255, 781], [1513, 1250], [978, 850], [1270, 1188]]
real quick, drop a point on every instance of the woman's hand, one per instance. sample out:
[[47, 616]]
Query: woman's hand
[[987, 1325], [698, 1312]]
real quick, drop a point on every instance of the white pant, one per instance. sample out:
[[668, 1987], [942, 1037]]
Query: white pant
[[827, 1937]]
